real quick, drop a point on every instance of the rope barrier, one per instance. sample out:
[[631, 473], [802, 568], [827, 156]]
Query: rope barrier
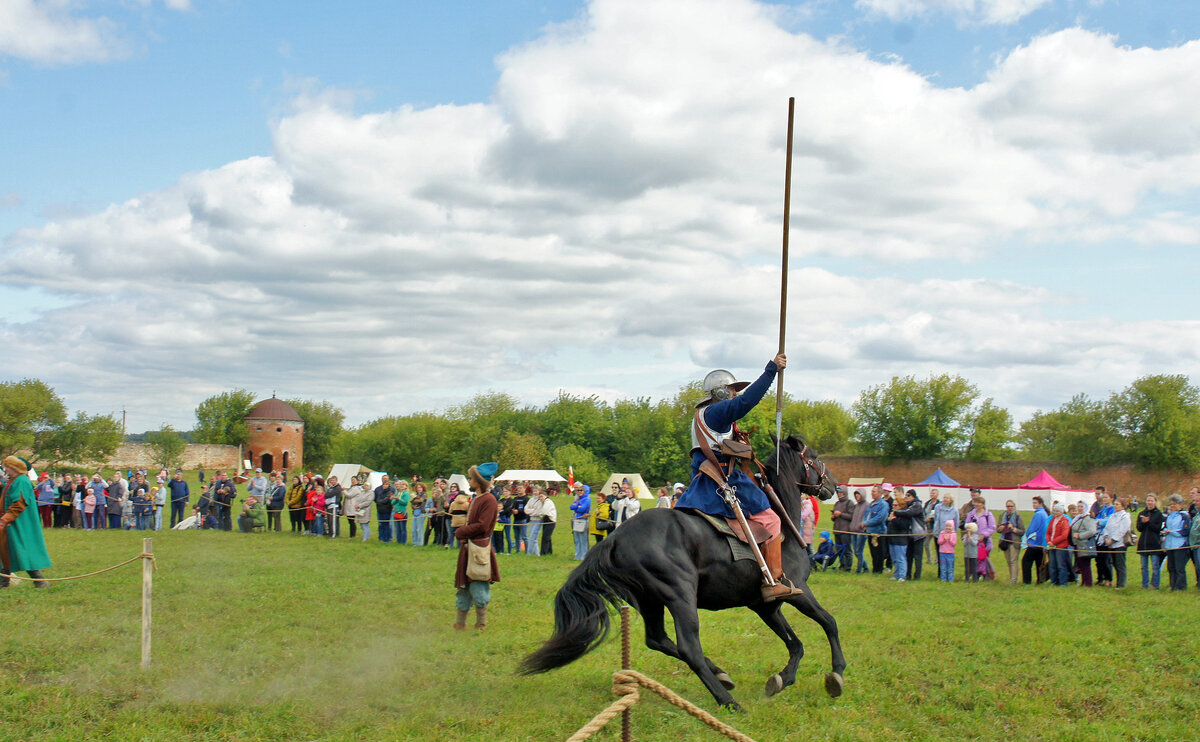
[[1047, 547], [143, 555], [625, 685]]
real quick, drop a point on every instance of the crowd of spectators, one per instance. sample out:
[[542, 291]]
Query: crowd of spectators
[[399, 508], [1060, 544]]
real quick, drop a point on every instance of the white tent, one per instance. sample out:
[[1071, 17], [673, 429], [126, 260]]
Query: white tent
[[461, 481], [344, 471], [374, 479], [635, 480], [530, 475]]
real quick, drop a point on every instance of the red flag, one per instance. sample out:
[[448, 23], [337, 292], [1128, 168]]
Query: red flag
[[570, 478]]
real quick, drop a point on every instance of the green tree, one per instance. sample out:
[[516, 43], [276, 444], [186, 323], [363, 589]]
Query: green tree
[[588, 468], [991, 433], [1081, 433], [166, 446], [30, 411], [219, 419], [425, 443], [487, 418], [571, 420], [1159, 418], [825, 425], [322, 423], [84, 439], [668, 459], [639, 426], [523, 451], [911, 418]]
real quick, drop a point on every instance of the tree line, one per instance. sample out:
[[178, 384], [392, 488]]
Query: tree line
[[1153, 423]]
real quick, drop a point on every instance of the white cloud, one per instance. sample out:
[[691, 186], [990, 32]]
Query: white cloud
[[49, 32], [965, 11], [58, 32], [622, 191]]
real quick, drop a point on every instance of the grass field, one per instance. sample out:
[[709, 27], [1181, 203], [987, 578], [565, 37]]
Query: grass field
[[269, 637]]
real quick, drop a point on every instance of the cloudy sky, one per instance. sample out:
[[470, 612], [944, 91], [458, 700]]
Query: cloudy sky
[[394, 206]]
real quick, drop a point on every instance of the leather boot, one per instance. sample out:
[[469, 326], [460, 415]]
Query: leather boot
[[460, 620], [772, 552], [36, 574], [481, 617]]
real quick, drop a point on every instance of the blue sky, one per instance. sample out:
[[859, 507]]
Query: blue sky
[[981, 182]]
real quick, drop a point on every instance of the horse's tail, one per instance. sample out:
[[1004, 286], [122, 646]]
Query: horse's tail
[[580, 614]]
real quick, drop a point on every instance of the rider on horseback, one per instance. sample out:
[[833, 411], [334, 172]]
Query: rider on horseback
[[720, 451]]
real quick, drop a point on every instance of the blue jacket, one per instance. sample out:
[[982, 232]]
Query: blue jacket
[[1176, 531], [1035, 535], [875, 521], [720, 416], [47, 493], [582, 506], [179, 490], [142, 504]]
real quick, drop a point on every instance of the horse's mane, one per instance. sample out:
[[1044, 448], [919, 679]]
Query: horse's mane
[[791, 471]]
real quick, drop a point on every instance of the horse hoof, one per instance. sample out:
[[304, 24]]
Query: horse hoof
[[725, 680], [732, 706], [774, 685], [833, 684]]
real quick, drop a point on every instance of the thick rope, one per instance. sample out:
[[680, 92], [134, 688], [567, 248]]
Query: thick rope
[[143, 555], [625, 684]]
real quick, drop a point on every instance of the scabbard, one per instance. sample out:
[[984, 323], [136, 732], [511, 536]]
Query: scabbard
[[741, 519]]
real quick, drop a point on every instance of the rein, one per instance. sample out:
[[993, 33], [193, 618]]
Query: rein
[[822, 471]]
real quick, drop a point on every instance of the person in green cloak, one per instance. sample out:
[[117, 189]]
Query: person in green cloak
[[22, 548]]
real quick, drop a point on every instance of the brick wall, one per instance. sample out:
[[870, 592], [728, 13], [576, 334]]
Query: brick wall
[[275, 437], [1122, 480], [133, 455]]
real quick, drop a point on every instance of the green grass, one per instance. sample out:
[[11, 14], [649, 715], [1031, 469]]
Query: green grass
[[266, 637]]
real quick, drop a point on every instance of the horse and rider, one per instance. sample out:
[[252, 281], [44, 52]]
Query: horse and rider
[[723, 469], [680, 560]]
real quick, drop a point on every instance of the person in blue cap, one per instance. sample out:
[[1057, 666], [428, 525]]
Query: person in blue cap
[[826, 552], [481, 522], [713, 425]]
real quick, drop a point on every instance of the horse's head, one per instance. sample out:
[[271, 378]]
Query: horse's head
[[800, 468]]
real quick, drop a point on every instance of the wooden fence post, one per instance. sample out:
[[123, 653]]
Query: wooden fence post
[[147, 593]]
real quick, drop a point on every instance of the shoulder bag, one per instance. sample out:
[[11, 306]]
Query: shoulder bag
[[479, 562]]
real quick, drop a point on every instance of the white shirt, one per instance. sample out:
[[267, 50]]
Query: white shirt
[[625, 508], [1116, 528]]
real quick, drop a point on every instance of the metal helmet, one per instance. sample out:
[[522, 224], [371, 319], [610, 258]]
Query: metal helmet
[[720, 384]]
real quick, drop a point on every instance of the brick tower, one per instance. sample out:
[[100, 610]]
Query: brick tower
[[276, 441]]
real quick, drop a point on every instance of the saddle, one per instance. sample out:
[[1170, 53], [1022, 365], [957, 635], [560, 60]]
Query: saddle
[[730, 527]]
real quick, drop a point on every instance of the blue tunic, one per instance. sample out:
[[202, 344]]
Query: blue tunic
[[720, 416]]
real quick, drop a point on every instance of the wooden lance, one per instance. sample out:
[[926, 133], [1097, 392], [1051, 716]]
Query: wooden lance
[[783, 283]]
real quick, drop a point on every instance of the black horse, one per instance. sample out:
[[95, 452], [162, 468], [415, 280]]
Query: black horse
[[677, 561]]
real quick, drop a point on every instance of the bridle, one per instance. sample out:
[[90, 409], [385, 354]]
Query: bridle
[[815, 464]]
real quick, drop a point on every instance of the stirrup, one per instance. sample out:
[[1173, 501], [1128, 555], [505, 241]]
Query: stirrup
[[781, 589]]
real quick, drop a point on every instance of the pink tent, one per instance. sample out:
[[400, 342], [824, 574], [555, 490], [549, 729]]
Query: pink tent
[[1043, 481]]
